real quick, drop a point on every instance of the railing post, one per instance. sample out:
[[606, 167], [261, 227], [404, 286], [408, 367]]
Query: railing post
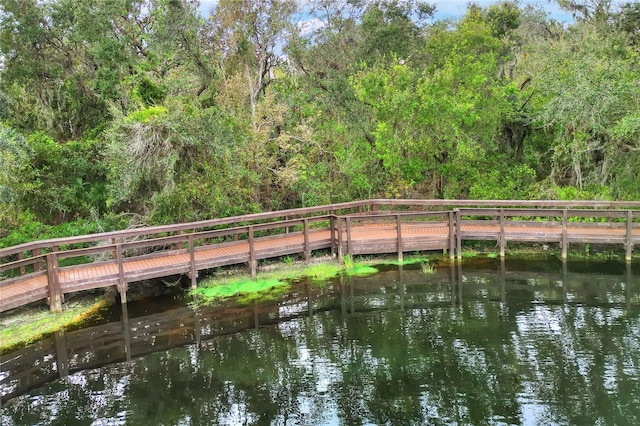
[[55, 292], [349, 243], [332, 224], [253, 264], [502, 239], [235, 236], [39, 264], [307, 246], [340, 238], [177, 246], [286, 228], [629, 242], [564, 234], [122, 283], [399, 236], [21, 257], [114, 254], [192, 263], [458, 233], [452, 242]]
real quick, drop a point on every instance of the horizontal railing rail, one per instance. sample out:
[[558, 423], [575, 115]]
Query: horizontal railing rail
[[370, 205]]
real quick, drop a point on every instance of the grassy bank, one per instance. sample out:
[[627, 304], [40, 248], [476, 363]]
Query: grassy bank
[[29, 326]]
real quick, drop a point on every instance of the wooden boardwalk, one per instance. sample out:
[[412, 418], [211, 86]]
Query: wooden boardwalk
[[119, 258]]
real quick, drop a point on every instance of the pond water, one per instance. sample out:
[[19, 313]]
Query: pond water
[[483, 343]]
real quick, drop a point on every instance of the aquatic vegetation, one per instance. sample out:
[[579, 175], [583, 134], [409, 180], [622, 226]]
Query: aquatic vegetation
[[427, 268], [28, 327], [347, 261], [323, 271], [248, 288], [361, 270]]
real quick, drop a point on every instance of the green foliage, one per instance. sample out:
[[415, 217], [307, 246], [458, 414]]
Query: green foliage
[[146, 115], [148, 107], [26, 228], [55, 181]]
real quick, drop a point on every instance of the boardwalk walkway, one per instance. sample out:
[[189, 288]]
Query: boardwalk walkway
[[115, 259]]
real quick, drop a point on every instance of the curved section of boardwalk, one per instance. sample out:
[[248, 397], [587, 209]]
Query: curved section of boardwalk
[[369, 227]]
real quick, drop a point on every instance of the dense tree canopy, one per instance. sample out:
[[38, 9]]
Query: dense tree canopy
[[151, 109]]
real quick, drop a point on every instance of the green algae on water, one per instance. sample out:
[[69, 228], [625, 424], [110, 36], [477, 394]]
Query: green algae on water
[[361, 270], [241, 286]]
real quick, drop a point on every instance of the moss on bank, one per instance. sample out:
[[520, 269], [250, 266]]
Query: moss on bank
[[29, 326]]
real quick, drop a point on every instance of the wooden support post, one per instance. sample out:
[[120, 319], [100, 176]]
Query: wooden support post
[[332, 224], [39, 265], [307, 246], [286, 228], [193, 274], [374, 207], [55, 292], [122, 283], [565, 243], [253, 263], [340, 238], [349, 244], [629, 243], [503, 242], [458, 233], [235, 236], [452, 241], [21, 257], [399, 236]]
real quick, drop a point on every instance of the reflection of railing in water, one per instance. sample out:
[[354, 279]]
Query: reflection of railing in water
[[67, 352]]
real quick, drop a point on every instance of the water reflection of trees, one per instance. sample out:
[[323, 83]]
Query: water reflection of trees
[[403, 348]]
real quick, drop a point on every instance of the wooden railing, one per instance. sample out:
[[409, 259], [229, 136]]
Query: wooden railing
[[505, 221]]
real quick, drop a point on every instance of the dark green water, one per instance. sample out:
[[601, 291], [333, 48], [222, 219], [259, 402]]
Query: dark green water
[[481, 344]]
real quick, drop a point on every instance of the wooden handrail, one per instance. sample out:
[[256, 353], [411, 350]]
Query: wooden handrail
[[465, 208], [373, 205]]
